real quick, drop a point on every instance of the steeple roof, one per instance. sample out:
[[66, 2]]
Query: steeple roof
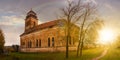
[[31, 12]]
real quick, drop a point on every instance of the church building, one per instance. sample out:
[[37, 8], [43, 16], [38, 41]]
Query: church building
[[45, 37]]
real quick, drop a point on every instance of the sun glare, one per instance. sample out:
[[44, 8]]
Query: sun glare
[[106, 36]]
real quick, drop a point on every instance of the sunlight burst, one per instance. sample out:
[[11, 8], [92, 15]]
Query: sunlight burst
[[106, 36]]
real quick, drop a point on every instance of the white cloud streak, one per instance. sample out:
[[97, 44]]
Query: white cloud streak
[[91, 1], [11, 20]]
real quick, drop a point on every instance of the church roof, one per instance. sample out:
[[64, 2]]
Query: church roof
[[41, 26]]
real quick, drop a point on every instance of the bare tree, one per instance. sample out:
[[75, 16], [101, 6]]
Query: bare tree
[[71, 14], [88, 14], [77, 12]]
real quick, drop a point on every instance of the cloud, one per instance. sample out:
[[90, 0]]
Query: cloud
[[94, 1], [11, 20], [109, 6], [91, 1], [12, 27]]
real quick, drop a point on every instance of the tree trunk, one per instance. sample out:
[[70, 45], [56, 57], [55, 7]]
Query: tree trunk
[[67, 47], [81, 48], [81, 35], [78, 48], [68, 38]]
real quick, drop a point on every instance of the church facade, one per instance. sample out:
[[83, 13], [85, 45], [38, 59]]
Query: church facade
[[48, 36]]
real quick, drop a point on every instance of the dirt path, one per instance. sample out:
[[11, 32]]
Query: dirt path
[[102, 55]]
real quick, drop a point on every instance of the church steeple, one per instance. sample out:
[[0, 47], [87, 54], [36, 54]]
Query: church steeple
[[31, 20], [31, 13]]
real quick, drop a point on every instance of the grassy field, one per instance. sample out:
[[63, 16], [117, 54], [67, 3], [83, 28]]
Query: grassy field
[[88, 54], [112, 54]]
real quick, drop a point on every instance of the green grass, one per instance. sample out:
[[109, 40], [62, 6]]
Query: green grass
[[112, 54], [88, 54]]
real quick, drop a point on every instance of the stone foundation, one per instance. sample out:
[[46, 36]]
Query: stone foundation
[[55, 49]]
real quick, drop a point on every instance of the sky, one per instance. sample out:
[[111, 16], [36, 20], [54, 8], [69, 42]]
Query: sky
[[13, 13]]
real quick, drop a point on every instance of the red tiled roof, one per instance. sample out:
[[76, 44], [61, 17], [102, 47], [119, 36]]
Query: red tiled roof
[[41, 26]]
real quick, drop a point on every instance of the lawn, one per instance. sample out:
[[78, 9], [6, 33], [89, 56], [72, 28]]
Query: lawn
[[112, 54], [88, 54]]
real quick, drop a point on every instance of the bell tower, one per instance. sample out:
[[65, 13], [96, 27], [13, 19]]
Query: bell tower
[[31, 20]]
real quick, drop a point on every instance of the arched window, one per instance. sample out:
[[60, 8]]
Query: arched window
[[30, 44], [34, 23], [36, 43], [48, 42], [40, 43], [52, 41]]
